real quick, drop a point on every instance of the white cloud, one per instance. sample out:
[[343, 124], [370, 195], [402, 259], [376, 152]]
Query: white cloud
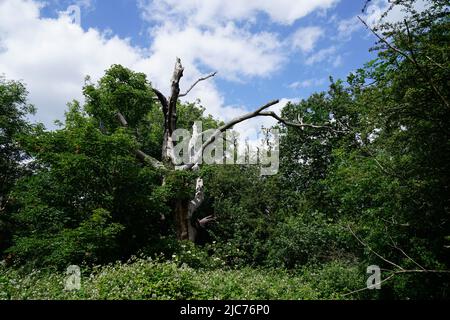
[[336, 61], [307, 83], [306, 38], [347, 27], [53, 56], [373, 15], [375, 11], [328, 55], [234, 52], [217, 11]]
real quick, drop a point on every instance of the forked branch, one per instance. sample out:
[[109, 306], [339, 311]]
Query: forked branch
[[411, 58], [142, 156], [196, 82], [257, 113], [397, 269]]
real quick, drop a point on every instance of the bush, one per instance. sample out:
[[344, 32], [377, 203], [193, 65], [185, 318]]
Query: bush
[[154, 279], [305, 238], [94, 241]]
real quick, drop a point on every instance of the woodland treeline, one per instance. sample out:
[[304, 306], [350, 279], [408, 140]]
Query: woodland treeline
[[363, 180]]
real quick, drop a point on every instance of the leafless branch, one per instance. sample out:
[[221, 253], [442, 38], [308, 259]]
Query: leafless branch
[[162, 99], [172, 107], [368, 288], [142, 156], [411, 58], [257, 113], [385, 41], [298, 124], [368, 247], [195, 203], [196, 82], [206, 220], [404, 253], [397, 271], [435, 63], [223, 128], [122, 119]]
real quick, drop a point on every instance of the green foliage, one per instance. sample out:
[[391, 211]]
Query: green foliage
[[156, 280], [298, 240], [86, 180], [13, 110], [120, 90], [376, 164], [94, 241], [88, 200]]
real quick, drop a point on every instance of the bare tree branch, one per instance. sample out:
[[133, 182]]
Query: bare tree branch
[[196, 82], [411, 58], [394, 272], [298, 124], [122, 119], [162, 99], [172, 108], [142, 156], [368, 288], [258, 112], [404, 253], [194, 204], [378, 255], [170, 116], [206, 220], [223, 128]]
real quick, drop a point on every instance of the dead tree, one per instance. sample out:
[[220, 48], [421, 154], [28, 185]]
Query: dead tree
[[183, 210]]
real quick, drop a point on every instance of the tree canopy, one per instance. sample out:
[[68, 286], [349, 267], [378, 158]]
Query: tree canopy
[[364, 177]]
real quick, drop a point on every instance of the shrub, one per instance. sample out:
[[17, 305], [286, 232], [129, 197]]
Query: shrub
[[155, 279]]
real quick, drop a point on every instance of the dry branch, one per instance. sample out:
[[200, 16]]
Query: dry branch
[[142, 156], [411, 58], [393, 273], [196, 82]]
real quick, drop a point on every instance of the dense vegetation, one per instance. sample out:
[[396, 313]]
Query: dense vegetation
[[372, 190]]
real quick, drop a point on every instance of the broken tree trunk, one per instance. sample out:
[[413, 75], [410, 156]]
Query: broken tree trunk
[[184, 210]]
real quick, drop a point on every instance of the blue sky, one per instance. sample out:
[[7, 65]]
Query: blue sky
[[262, 49]]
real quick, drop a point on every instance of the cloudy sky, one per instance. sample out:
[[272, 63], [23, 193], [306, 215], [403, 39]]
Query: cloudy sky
[[262, 49]]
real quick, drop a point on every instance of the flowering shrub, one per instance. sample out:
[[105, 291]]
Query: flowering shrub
[[150, 279]]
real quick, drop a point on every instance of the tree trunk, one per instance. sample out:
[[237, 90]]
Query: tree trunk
[[184, 209], [185, 229]]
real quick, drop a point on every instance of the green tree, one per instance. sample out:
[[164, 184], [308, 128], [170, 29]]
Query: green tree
[[393, 186], [13, 111]]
